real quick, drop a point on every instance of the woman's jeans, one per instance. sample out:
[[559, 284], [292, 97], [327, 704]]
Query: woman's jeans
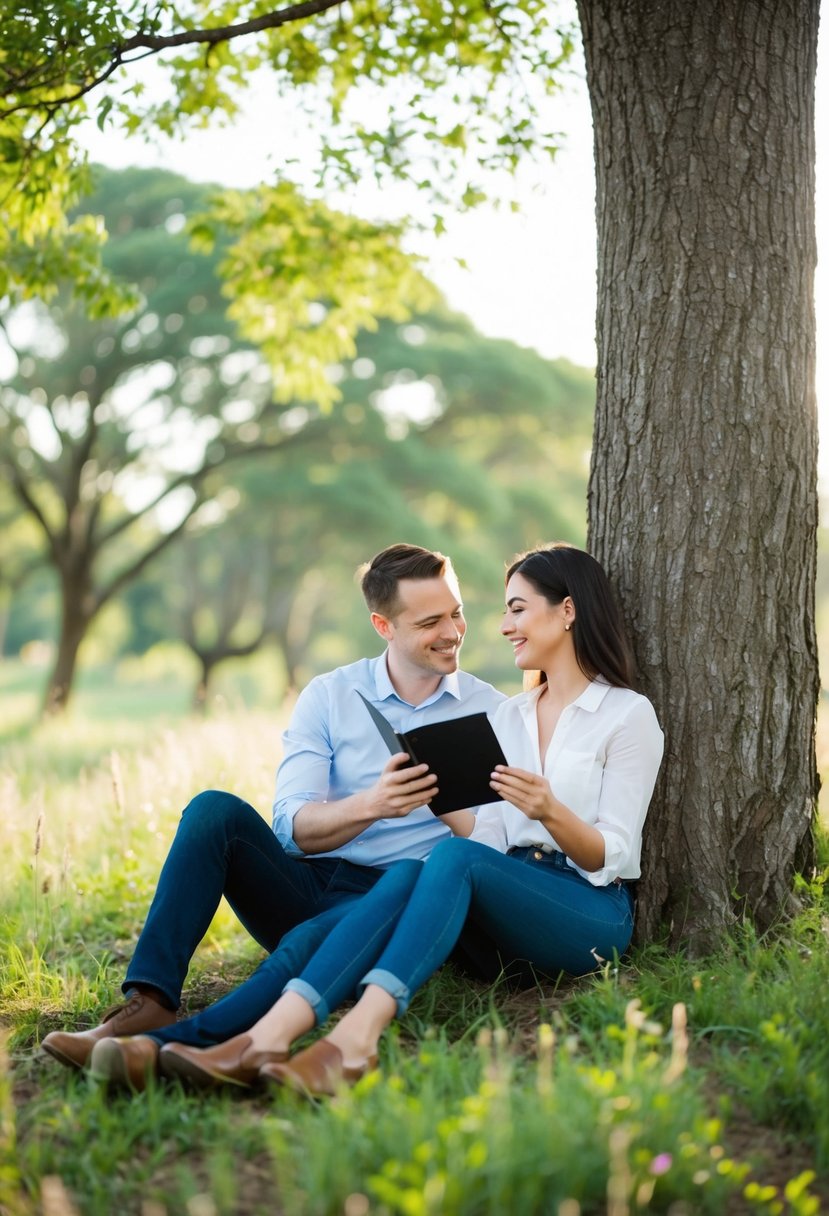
[[224, 847], [532, 904], [330, 953]]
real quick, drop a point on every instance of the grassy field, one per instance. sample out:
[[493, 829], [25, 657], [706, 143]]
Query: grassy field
[[587, 1097]]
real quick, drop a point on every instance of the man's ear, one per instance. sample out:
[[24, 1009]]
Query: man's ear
[[383, 626]]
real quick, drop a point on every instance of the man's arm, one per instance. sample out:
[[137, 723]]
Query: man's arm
[[320, 827]]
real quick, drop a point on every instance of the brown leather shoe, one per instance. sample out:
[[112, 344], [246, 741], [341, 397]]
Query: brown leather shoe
[[235, 1062], [128, 1062], [318, 1070], [135, 1016]]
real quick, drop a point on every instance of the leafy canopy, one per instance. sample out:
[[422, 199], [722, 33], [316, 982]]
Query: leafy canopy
[[455, 92], [303, 279]]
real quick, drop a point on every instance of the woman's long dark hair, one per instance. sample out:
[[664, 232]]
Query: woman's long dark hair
[[601, 644]]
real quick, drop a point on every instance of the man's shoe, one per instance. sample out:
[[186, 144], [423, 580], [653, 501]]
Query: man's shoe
[[135, 1016], [235, 1062], [316, 1072], [127, 1062]]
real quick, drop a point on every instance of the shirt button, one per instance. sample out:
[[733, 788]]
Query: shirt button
[[537, 855]]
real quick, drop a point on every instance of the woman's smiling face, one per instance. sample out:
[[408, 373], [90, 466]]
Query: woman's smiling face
[[534, 626]]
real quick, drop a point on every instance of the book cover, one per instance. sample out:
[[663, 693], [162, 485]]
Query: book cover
[[461, 752]]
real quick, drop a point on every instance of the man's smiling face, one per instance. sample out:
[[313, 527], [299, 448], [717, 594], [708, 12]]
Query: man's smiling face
[[427, 629]]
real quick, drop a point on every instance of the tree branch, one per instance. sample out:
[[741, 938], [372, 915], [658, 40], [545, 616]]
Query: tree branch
[[24, 496], [151, 44], [268, 21], [78, 456], [230, 453], [129, 572], [51, 107], [126, 521], [215, 654]]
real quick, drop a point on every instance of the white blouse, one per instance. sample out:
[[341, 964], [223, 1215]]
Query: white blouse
[[601, 762]]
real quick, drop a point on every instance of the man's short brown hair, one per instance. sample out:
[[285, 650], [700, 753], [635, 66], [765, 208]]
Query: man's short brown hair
[[380, 577]]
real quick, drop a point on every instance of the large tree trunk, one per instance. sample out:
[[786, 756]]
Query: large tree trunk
[[702, 499]]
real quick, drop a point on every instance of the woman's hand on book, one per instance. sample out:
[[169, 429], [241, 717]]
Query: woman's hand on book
[[529, 792]]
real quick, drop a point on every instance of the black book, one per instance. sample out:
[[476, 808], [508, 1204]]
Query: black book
[[461, 752]]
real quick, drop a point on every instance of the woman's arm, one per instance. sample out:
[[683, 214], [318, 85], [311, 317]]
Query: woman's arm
[[531, 793], [603, 848]]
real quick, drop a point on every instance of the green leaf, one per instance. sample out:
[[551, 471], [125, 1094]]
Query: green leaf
[[103, 111]]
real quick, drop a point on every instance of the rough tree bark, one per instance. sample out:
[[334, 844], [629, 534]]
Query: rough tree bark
[[702, 498]]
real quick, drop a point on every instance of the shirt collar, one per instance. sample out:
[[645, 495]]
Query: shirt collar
[[593, 695], [589, 700], [382, 681]]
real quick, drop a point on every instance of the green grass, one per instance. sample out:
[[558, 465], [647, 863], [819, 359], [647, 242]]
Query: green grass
[[581, 1097]]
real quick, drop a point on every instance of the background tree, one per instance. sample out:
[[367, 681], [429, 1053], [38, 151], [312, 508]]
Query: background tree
[[98, 411], [702, 497]]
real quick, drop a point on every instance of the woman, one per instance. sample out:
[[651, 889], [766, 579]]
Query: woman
[[544, 872]]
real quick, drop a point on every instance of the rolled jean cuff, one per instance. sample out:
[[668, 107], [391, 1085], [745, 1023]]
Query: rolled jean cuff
[[319, 1006], [390, 984]]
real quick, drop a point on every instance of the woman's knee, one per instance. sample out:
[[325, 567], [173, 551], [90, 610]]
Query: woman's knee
[[455, 853]]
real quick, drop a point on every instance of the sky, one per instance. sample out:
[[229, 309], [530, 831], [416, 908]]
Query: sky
[[530, 277]]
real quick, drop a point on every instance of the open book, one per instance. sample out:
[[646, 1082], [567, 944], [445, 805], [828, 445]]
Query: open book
[[461, 752]]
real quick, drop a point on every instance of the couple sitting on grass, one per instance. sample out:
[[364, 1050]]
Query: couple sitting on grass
[[360, 891]]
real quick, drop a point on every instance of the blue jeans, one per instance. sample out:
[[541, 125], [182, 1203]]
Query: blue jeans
[[532, 904], [224, 847], [322, 959]]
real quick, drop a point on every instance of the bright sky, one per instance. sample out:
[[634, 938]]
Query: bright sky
[[530, 277]]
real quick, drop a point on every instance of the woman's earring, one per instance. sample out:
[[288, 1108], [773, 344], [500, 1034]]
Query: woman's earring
[[567, 627]]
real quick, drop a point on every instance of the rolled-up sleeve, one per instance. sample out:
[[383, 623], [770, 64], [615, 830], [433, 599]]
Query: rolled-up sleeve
[[305, 772], [634, 753]]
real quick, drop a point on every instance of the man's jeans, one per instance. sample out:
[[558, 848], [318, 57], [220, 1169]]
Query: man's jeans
[[224, 847], [331, 952]]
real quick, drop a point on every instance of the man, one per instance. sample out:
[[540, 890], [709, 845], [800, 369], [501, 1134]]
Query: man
[[341, 815]]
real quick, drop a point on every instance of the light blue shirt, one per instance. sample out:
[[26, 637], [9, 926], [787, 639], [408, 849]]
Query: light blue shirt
[[332, 749]]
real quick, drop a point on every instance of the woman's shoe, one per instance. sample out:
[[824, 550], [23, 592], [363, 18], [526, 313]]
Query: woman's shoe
[[235, 1062], [318, 1070]]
